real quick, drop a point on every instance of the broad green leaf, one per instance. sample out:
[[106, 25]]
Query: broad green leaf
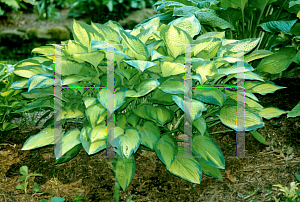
[[271, 112], [36, 104], [128, 73], [133, 119], [124, 169], [144, 88], [140, 111], [75, 47], [277, 62], [160, 114], [200, 125], [93, 58], [70, 140], [197, 107], [119, 98], [84, 34], [150, 134], [71, 79], [205, 68], [130, 141], [189, 24], [89, 101], [210, 170], [39, 93], [30, 70], [186, 168], [93, 113], [141, 65], [258, 136], [103, 45], [209, 151], [185, 11], [266, 87], [210, 18], [166, 149], [40, 81], [228, 117], [171, 68], [175, 39], [211, 96], [89, 146], [43, 138], [22, 83], [108, 32], [257, 54], [159, 96], [245, 45], [173, 86], [278, 26], [135, 45], [295, 111], [168, 4], [250, 76], [210, 35], [44, 50], [8, 126], [235, 68]]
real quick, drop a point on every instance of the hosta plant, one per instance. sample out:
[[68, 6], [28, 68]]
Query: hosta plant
[[149, 94], [273, 21]]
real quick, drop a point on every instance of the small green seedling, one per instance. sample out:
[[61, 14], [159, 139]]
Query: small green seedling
[[78, 198], [292, 195], [36, 188]]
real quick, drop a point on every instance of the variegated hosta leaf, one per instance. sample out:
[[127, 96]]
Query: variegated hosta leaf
[[141, 65], [175, 40], [189, 24], [197, 107], [257, 54], [107, 32], [261, 87], [144, 88], [205, 68], [271, 112], [171, 68], [209, 151], [228, 116], [186, 168], [244, 45], [135, 45]]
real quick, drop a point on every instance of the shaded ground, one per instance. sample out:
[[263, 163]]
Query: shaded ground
[[92, 178]]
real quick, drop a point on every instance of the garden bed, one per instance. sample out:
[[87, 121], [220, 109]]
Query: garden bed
[[92, 178]]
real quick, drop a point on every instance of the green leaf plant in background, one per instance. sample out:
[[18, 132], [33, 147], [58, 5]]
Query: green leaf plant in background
[[149, 94], [10, 99], [274, 22], [101, 10], [15, 5]]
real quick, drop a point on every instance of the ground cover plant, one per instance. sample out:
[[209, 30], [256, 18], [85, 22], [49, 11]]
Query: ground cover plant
[[148, 94]]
